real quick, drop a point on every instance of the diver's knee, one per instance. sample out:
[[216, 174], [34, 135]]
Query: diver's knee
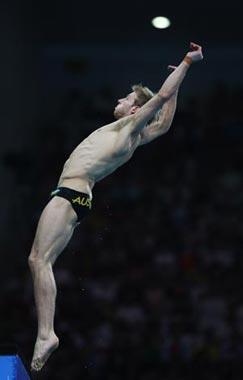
[[36, 261]]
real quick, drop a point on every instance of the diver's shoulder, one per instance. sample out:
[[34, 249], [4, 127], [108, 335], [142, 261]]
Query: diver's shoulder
[[117, 124], [114, 126]]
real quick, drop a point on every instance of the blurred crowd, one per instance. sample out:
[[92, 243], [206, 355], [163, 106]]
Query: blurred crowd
[[150, 287]]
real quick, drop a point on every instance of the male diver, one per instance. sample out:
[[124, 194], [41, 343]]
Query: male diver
[[140, 118]]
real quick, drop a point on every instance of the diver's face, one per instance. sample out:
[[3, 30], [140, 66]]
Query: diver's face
[[125, 106]]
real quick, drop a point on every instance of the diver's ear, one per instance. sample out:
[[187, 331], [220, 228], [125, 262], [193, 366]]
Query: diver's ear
[[134, 109]]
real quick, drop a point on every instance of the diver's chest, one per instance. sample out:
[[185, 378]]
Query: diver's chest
[[126, 145]]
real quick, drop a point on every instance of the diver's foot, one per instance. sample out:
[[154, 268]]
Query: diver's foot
[[43, 350]]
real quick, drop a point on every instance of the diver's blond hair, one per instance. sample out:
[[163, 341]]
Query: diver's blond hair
[[143, 94]]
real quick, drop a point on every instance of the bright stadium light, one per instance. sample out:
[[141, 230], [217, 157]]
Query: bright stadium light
[[161, 22]]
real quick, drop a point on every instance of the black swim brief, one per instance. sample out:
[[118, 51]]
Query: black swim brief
[[80, 202]]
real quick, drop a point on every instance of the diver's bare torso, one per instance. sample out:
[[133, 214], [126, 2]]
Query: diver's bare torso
[[100, 154]]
